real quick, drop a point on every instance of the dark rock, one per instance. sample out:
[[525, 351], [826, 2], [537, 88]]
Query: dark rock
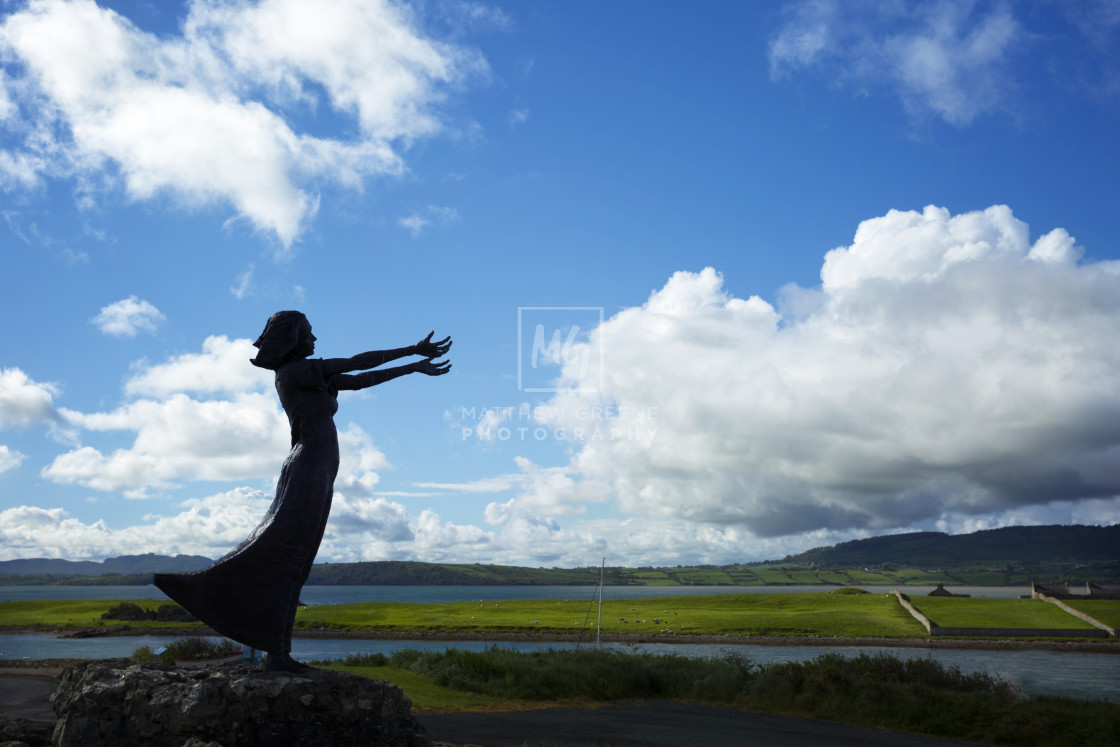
[[22, 731], [118, 702]]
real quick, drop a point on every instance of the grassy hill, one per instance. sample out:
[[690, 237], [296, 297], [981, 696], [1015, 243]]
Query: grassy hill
[[125, 565], [1015, 546], [999, 557]]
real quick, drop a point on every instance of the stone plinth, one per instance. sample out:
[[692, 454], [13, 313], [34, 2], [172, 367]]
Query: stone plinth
[[117, 702]]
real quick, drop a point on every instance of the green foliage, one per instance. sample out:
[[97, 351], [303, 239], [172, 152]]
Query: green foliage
[[193, 648], [134, 612], [198, 648], [849, 590], [918, 695], [586, 674], [144, 655]]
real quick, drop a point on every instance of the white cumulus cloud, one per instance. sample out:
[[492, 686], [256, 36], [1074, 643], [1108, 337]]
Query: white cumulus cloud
[[209, 115], [222, 366], [209, 416], [9, 459], [128, 317], [946, 366], [24, 401], [415, 223]]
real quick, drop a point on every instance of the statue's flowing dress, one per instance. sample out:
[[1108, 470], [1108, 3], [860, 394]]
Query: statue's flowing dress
[[251, 593]]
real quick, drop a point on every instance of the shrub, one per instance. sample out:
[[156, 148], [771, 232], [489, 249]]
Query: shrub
[[192, 647], [134, 613], [919, 695], [144, 655], [126, 611]]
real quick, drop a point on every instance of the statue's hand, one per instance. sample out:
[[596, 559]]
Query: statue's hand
[[431, 368], [430, 349]]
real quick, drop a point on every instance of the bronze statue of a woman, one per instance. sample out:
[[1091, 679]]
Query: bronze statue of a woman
[[251, 593]]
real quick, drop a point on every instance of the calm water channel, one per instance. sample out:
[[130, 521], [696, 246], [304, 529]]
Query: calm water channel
[[1036, 672]]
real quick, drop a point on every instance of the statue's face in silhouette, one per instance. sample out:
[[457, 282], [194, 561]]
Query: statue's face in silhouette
[[306, 345]]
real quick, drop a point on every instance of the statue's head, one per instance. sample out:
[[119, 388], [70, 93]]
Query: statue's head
[[287, 335]]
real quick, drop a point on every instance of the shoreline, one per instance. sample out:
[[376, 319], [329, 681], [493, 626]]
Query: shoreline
[[995, 644]]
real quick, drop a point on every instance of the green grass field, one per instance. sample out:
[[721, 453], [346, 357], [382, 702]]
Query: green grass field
[[1105, 610], [870, 577], [916, 576], [730, 614], [949, 612], [770, 575], [77, 614], [853, 615]]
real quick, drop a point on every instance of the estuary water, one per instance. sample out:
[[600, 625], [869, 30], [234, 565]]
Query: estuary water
[[1035, 672]]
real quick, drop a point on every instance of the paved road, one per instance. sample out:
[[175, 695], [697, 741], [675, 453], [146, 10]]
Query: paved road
[[656, 722], [25, 695]]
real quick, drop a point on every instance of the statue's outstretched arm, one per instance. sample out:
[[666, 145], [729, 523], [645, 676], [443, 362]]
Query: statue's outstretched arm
[[373, 378], [375, 358]]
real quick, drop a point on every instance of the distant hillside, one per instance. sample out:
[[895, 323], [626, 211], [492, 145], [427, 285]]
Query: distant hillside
[[1031, 546], [999, 557], [411, 573], [125, 565]]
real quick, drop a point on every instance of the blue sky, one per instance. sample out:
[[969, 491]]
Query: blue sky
[[814, 271]]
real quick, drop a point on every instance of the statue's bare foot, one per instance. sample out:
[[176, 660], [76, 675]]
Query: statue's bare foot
[[283, 663]]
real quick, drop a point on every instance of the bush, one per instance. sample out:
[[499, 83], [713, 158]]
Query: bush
[[195, 648], [144, 655], [126, 611], [589, 673], [919, 695], [134, 613]]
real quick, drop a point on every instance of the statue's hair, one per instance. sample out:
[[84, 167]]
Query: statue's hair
[[280, 337]]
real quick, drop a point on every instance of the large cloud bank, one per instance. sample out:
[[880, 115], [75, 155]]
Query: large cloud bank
[[946, 366], [213, 114], [947, 373], [198, 418]]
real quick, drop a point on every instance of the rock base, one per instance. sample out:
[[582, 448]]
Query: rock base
[[22, 732], [118, 702]]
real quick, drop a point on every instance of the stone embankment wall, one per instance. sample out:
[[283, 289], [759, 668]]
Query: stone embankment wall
[[913, 611], [936, 630], [1076, 613]]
